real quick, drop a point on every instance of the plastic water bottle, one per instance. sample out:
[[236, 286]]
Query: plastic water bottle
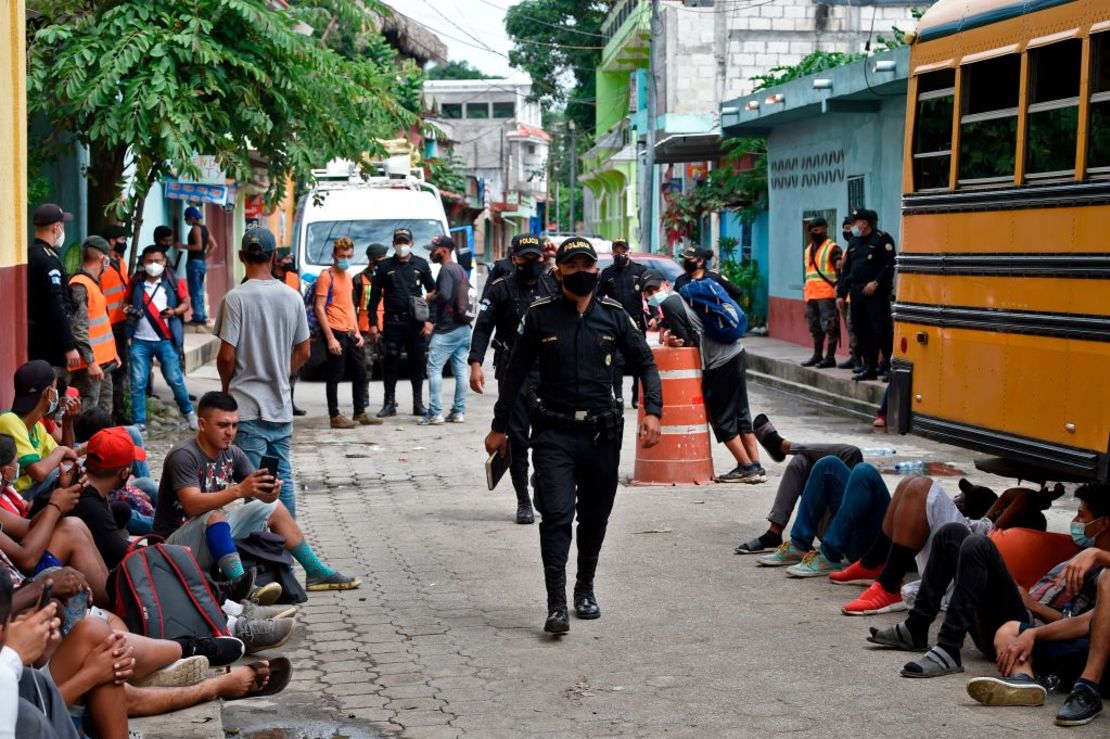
[[905, 468], [879, 451]]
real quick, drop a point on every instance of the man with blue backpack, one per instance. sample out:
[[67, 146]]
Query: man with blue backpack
[[702, 313], [695, 264]]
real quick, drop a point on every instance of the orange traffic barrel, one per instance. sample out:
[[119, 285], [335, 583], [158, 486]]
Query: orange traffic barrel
[[682, 456]]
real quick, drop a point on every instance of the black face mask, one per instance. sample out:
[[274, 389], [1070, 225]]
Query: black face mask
[[530, 271], [621, 260], [847, 235], [580, 283], [436, 258], [816, 237], [690, 266]]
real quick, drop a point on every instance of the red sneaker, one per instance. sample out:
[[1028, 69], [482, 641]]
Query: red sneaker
[[856, 574], [873, 601]]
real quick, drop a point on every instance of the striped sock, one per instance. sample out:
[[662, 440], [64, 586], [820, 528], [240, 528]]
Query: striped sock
[[222, 548], [312, 565]]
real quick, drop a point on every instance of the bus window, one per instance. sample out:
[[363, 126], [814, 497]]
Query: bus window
[[932, 141], [1098, 137], [988, 124], [1053, 123]]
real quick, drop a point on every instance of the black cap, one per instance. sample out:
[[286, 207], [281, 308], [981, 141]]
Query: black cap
[[651, 278], [863, 214], [526, 244], [284, 251], [259, 241], [693, 251], [98, 243], [115, 231], [30, 381], [574, 246], [151, 249], [48, 214], [442, 242], [162, 232], [847, 221], [402, 234], [818, 221], [376, 251], [620, 242]]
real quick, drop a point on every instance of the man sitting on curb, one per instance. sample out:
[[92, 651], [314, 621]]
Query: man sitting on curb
[[204, 476]]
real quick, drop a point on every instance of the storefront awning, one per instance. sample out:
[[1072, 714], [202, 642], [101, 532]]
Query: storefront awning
[[197, 193]]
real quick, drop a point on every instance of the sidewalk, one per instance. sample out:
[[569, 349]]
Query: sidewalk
[[200, 349]]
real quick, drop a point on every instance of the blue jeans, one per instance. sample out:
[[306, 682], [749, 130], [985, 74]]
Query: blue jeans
[[194, 273], [856, 501], [142, 358], [454, 347], [258, 439], [138, 469]]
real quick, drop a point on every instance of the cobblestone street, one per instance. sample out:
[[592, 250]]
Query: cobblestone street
[[444, 638]]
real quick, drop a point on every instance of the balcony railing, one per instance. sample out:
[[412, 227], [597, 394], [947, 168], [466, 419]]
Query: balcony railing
[[621, 12]]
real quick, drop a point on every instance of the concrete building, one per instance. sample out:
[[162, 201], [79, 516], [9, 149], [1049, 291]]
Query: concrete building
[[497, 133], [13, 193], [831, 148]]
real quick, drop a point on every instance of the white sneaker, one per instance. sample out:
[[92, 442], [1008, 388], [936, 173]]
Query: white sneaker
[[191, 419], [436, 420], [456, 418]]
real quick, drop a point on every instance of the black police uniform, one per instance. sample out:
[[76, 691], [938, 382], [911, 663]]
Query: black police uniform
[[501, 268], [49, 306], [576, 425], [870, 258], [499, 317], [625, 285], [396, 283]]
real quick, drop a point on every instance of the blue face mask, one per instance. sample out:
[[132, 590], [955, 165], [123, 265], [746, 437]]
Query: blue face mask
[[657, 298], [53, 405], [1079, 534], [343, 264]]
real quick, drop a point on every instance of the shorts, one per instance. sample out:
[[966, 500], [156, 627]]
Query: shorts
[[249, 518], [726, 398]]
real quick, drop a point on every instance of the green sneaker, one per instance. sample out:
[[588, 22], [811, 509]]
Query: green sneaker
[[786, 554], [814, 564]]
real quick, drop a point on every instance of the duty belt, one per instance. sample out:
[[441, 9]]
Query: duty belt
[[607, 423]]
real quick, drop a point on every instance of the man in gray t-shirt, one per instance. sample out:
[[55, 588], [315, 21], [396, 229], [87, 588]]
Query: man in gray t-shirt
[[264, 339]]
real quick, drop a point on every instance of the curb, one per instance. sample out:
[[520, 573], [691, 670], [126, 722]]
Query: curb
[[200, 349], [832, 388], [204, 721]]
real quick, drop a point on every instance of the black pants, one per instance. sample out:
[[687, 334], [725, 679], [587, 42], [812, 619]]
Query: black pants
[[519, 429], [573, 473], [121, 377], [398, 337], [873, 326], [349, 362], [985, 594]]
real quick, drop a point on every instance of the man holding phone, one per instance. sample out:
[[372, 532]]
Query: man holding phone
[[203, 480]]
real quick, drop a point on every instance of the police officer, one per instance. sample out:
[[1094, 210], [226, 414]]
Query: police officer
[[502, 310], [371, 347], [398, 281], [577, 426], [868, 277], [695, 261], [820, 258], [501, 268], [853, 361], [49, 309], [623, 281]]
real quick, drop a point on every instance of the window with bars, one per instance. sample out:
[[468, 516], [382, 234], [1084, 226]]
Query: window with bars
[[856, 197]]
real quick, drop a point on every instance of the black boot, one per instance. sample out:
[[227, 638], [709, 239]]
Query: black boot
[[418, 408], [585, 603], [830, 358], [389, 407], [817, 345], [524, 512], [558, 622]]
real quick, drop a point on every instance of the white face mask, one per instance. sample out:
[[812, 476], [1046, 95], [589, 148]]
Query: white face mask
[[61, 240], [403, 250], [155, 269], [658, 297]]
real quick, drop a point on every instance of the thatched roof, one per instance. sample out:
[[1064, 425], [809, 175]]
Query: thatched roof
[[412, 39]]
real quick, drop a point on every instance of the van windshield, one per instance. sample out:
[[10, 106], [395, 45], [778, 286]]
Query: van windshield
[[322, 234]]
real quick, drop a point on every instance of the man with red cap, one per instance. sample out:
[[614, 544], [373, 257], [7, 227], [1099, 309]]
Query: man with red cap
[[108, 459]]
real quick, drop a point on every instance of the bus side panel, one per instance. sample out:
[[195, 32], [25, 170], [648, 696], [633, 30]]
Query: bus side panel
[[1041, 294], [1075, 230]]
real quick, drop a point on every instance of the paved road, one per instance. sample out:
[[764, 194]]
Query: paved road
[[445, 638]]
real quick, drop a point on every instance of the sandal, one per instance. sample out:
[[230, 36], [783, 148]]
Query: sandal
[[280, 672], [755, 546], [935, 663], [895, 637], [768, 437]]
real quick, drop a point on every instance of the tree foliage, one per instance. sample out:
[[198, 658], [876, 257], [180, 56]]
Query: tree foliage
[[457, 70], [148, 84], [738, 184]]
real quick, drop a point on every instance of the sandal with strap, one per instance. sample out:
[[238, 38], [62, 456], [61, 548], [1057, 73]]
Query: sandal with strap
[[935, 663], [755, 546], [895, 637], [275, 681]]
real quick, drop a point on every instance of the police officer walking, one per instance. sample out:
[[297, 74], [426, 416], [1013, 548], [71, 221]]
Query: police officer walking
[[398, 281], [502, 309], [821, 258], [49, 308], [623, 281], [868, 276], [577, 427]]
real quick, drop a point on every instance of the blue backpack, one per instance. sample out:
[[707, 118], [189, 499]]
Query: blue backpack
[[723, 319]]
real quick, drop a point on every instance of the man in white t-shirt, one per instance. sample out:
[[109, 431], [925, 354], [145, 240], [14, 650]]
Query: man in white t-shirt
[[264, 339]]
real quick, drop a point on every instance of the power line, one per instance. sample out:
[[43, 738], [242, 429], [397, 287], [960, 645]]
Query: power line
[[534, 19]]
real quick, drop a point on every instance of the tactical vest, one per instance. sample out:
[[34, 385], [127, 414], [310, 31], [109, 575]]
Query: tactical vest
[[113, 284], [820, 287], [101, 340]]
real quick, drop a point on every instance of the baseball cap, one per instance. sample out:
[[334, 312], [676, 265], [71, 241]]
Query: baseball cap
[[115, 231], [620, 242], [572, 247], [162, 232], [863, 214], [847, 221], [376, 251], [402, 234], [651, 278], [113, 448], [526, 244], [259, 241], [284, 251], [98, 243], [49, 213], [192, 212], [442, 242], [818, 221], [693, 251], [30, 380]]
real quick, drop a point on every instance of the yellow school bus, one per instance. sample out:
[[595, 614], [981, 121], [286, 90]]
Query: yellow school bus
[[1002, 338]]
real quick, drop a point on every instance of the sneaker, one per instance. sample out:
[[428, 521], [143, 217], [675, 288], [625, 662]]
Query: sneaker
[[436, 420], [758, 474], [238, 588], [814, 564], [253, 610], [334, 581], [856, 574], [875, 600], [178, 674], [768, 437], [751, 474], [342, 422], [217, 651], [265, 595], [1082, 706], [388, 410], [364, 419], [456, 418], [191, 419], [299, 411], [260, 634], [786, 554], [1016, 690]]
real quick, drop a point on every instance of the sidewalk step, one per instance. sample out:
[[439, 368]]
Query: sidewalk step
[[200, 349], [199, 722]]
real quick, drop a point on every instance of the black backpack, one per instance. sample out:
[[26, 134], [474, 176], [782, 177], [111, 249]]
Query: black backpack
[[161, 592], [265, 552]]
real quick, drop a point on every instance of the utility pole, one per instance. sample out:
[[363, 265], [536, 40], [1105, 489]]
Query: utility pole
[[647, 209], [573, 171]]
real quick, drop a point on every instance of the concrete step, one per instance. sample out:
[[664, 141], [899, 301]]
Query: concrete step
[[199, 722], [201, 348]]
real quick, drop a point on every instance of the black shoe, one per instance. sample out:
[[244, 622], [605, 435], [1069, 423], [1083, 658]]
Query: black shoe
[[418, 409], [524, 512], [238, 588], [220, 650], [557, 622], [299, 411], [826, 363], [768, 437], [1081, 707], [389, 409], [865, 375], [635, 404], [812, 360], [847, 364], [585, 606]]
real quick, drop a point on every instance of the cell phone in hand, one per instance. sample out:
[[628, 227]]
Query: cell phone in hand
[[46, 595], [270, 464]]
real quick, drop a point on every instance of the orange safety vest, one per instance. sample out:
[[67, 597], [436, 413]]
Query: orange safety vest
[[363, 306], [113, 284], [817, 287], [101, 340], [293, 280]]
